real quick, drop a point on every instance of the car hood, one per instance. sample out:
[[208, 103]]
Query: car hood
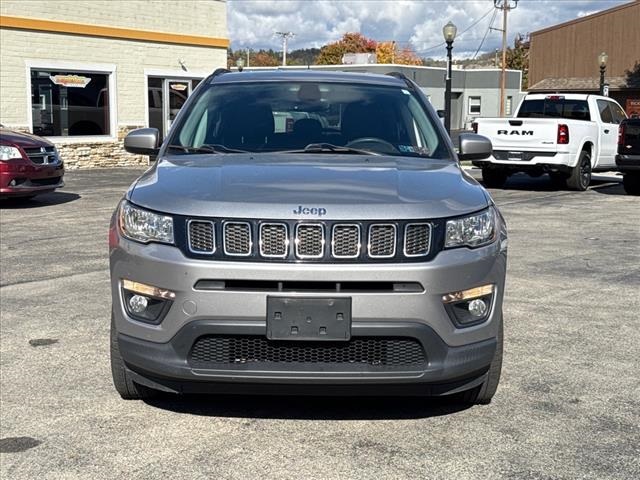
[[24, 140], [282, 186]]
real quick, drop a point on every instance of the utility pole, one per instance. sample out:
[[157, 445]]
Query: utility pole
[[505, 6], [285, 36]]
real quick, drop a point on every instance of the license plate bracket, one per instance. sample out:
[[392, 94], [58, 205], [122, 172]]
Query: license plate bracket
[[517, 156], [309, 319]]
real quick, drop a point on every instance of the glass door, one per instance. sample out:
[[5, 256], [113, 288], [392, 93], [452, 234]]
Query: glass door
[[176, 93], [166, 97]]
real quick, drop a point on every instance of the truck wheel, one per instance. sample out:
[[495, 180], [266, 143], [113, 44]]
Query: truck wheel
[[482, 394], [631, 183], [126, 387], [494, 177], [580, 176]]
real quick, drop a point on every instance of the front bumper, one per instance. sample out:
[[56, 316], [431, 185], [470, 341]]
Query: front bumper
[[165, 366], [158, 355], [23, 179]]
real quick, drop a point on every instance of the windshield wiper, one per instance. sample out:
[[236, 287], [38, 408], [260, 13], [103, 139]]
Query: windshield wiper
[[207, 148], [330, 148]]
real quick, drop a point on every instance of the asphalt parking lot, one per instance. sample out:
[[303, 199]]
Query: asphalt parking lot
[[568, 405]]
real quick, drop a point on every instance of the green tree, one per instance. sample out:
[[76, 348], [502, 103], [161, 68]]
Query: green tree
[[633, 76], [518, 58], [354, 42]]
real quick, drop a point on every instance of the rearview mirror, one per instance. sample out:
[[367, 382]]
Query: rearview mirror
[[474, 147], [142, 141]]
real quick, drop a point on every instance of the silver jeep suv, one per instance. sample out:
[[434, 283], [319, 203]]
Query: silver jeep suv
[[307, 232]]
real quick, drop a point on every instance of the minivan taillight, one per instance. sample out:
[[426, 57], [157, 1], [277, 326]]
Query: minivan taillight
[[563, 134], [621, 135], [474, 127]]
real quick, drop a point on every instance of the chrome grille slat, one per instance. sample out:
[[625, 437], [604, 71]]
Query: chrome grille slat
[[417, 239], [309, 240], [41, 155], [382, 240], [345, 241], [201, 237], [237, 239], [274, 240]]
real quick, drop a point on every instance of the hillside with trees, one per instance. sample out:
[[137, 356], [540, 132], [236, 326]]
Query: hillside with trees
[[386, 52]]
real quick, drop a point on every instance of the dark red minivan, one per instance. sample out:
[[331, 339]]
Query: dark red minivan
[[29, 165]]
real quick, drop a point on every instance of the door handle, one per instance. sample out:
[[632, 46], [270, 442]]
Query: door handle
[[606, 131]]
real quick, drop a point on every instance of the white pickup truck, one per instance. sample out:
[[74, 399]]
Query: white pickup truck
[[565, 135]]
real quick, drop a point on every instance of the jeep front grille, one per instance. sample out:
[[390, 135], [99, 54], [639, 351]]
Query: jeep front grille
[[309, 240], [345, 241], [316, 241], [202, 237], [274, 240], [237, 239], [417, 239], [382, 240]]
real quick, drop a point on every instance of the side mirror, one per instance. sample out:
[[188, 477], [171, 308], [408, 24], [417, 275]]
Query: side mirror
[[474, 147], [142, 141]]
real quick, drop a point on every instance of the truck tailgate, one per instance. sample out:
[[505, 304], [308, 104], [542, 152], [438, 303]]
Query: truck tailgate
[[520, 134]]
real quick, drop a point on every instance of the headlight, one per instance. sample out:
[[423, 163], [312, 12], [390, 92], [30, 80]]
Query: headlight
[[9, 153], [472, 231], [145, 226]]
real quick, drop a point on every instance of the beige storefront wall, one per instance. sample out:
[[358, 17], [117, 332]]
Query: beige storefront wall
[[128, 40]]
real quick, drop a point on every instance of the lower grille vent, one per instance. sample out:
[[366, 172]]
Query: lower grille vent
[[216, 350]]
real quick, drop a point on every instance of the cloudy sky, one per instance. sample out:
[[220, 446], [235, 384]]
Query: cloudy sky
[[416, 23]]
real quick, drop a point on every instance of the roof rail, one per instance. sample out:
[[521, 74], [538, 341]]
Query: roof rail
[[219, 71], [402, 76]]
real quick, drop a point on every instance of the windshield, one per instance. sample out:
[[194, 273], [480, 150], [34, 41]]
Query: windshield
[[321, 117]]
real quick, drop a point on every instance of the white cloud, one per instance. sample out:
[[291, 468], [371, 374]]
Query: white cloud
[[418, 24]]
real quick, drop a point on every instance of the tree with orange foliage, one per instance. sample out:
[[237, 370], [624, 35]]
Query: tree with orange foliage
[[332, 53], [388, 52]]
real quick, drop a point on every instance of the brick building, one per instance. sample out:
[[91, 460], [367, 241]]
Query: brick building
[[84, 73], [564, 57]]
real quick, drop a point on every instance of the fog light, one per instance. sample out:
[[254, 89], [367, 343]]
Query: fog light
[[146, 303], [478, 308], [469, 307], [138, 303]]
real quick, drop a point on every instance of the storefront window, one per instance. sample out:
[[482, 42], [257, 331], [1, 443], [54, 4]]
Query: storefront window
[[69, 104]]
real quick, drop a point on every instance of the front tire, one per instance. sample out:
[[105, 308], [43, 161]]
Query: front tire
[[125, 386], [631, 183], [494, 177], [483, 394], [580, 176]]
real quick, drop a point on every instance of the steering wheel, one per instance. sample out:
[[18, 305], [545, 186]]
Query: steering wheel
[[374, 144]]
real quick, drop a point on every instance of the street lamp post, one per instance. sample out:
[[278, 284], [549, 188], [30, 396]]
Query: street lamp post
[[449, 32], [602, 60]]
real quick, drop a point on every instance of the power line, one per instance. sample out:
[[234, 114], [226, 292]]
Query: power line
[[493, 18], [462, 33]]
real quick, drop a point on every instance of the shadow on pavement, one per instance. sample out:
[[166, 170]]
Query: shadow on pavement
[[524, 182], [616, 189], [309, 407], [46, 199]]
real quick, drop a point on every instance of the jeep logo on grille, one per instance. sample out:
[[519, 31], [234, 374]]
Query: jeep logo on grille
[[318, 211]]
